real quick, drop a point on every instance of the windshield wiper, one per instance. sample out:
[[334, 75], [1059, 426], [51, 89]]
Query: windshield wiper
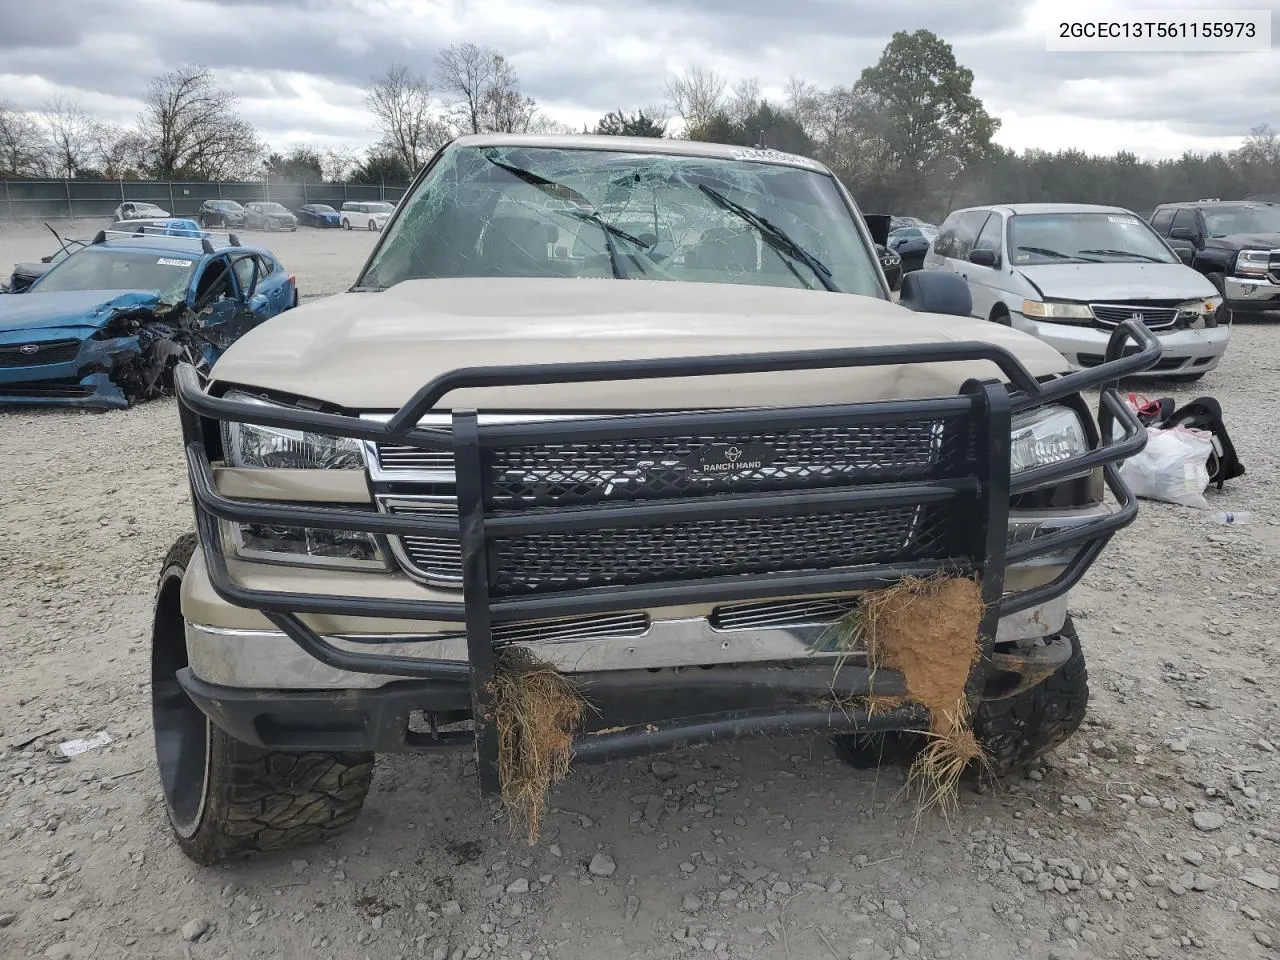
[[1058, 254], [1127, 253], [585, 212], [773, 235]]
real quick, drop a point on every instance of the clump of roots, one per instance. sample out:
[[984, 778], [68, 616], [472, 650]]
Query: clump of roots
[[928, 630], [536, 711]]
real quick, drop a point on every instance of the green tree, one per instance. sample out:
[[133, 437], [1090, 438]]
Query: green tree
[[301, 165], [923, 122], [717, 128], [382, 166], [638, 124], [775, 128]]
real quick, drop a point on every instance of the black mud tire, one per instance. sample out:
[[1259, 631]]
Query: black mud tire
[[1016, 731], [225, 799]]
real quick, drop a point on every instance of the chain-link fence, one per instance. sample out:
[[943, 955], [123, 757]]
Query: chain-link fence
[[48, 199]]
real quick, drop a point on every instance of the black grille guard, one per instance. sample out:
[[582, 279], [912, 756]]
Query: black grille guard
[[978, 491]]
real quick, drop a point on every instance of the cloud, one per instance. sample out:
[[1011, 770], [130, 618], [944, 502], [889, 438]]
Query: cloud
[[299, 65]]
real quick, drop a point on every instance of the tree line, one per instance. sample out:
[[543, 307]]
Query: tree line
[[908, 136]]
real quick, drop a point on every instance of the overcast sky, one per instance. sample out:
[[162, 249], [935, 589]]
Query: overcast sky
[[298, 65]]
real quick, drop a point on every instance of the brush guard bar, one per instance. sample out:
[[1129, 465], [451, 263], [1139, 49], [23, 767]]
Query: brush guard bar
[[520, 544]]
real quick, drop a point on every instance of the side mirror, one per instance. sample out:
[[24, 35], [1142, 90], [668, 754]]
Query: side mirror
[[1183, 233], [983, 258], [936, 291], [1185, 250]]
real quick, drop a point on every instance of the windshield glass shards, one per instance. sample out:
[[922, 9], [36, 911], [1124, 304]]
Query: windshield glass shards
[[526, 211]]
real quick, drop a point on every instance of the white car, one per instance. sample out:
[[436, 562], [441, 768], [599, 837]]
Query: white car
[[1069, 273], [139, 210], [365, 214]]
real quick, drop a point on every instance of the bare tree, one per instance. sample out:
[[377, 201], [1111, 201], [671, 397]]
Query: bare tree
[[118, 152], [72, 133], [697, 96], [191, 128], [401, 103], [24, 147], [744, 100], [1259, 158], [337, 163], [483, 91]]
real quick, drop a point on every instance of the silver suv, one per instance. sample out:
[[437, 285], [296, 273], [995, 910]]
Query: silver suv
[[1068, 273]]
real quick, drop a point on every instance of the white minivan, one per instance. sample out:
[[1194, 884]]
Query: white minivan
[[365, 214], [1068, 273]]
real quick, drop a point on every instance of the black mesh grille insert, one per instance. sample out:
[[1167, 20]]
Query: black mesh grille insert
[[591, 471], [709, 548], [36, 354]]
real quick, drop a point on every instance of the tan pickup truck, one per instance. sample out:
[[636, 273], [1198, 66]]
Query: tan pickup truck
[[646, 409]]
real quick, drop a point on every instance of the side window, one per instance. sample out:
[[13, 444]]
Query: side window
[[1162, 220], [944, 243], [989, 237], [215, 282], [1186, 217], [244, 268], [265, 266], [968, 226]]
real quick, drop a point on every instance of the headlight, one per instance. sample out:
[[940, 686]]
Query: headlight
[[1044, 436], [1057, 310], [1252, 263], [1198, 313], [251, 445], [346, 549]]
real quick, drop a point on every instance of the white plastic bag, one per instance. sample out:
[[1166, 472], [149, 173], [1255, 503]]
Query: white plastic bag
[[1173, 467]]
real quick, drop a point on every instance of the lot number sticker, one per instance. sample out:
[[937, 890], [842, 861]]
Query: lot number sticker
[[171, 262]]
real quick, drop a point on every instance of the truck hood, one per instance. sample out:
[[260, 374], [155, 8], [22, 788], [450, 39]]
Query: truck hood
[[372, 351], [72, 308], [1109, 282]]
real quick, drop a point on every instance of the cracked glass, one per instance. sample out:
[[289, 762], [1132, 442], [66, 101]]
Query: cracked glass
[[540, 211]]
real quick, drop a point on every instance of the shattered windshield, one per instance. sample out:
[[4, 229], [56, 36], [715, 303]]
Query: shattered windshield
[[90, 269], [517, 211]]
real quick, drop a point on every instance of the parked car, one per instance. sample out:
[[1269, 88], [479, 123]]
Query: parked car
[[105, 326], [1234, 243], [1069, 273], [220, 213], [268, 215], [365, 214], [912, 244], [139, 210], [163, 226], [25, 274], [318, 215], [891, 264], [624, 508]]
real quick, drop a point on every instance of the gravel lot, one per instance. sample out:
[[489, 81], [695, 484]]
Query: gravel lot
[[1153, 833]]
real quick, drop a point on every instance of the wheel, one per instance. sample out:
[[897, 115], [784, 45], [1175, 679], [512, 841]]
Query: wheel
[[346, 224], [1000, 315], [1017, 730], [226, 799]]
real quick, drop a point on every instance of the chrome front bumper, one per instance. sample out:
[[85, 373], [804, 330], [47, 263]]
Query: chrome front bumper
[[269, 660], [1250, 290]]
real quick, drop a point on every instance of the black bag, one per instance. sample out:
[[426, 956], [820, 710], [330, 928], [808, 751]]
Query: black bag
[[1205, 413]]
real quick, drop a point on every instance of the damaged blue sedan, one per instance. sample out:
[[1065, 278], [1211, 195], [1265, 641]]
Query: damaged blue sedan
[[105, 327]]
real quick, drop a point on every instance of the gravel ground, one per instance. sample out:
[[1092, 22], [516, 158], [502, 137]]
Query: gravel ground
[[1153, 833]]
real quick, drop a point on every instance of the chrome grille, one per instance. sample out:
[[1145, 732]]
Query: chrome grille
[[1156, 316], [573, 628], [399, 457], [437, 560], [781, 613]]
